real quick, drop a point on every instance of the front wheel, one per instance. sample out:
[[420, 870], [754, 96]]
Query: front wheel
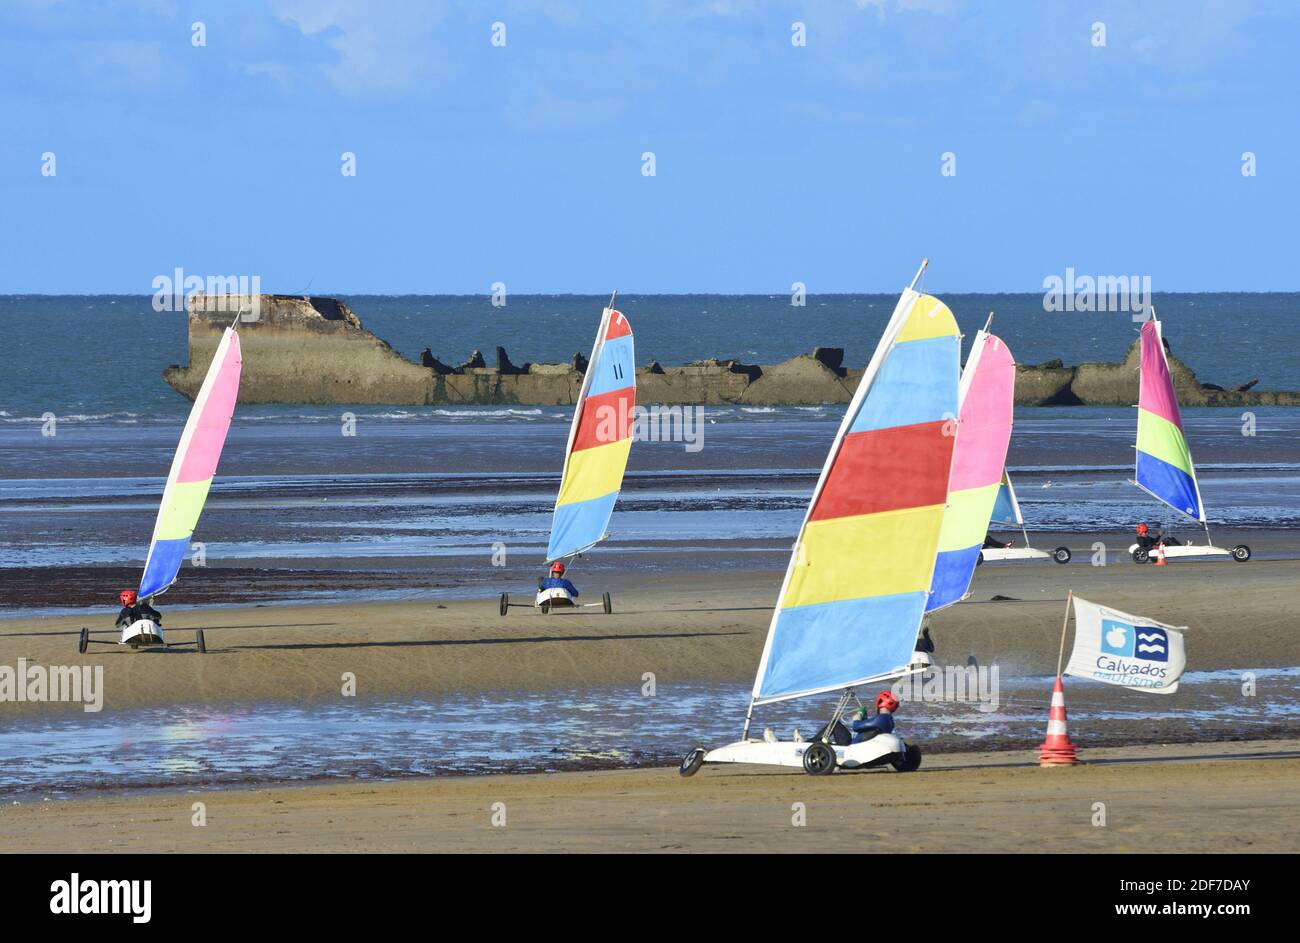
[[1141, 555], [505, 603], [692, 762], [609, 603], [83, 641], [1061, 554], [1241, 553], [910, 761], [200, 642], [546, 607], [819, 760]]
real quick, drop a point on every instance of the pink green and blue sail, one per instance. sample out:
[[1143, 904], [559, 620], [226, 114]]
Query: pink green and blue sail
[[1164, 462], [193, 467], [978, 461], [856, 587]]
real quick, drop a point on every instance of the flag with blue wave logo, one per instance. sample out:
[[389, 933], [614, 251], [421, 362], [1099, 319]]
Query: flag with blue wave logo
[[1132, 651]]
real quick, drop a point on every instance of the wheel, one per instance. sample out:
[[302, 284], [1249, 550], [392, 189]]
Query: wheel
[[1061, 554], [546, 607], [609, 605], [911, 760], [979, 561], [818, 759], [505, 602], [692, 762], [1141, 555], [84, 640], [200, 641], [1241, 553]]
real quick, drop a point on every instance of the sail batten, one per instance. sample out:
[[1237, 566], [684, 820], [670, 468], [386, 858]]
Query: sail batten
[[600, 440], [1164, 462], [193, 467], [856, 586]]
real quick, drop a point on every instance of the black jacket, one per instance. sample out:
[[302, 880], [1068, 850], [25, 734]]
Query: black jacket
[[141, 610]]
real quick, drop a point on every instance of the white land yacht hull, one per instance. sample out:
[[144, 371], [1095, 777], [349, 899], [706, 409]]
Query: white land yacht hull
[[1239, 553]]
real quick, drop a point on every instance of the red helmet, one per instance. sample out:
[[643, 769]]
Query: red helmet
[[1142, 530], [885, 701], [557, 568], [127, 597]]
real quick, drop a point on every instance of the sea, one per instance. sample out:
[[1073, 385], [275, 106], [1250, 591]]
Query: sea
[[88, 427]]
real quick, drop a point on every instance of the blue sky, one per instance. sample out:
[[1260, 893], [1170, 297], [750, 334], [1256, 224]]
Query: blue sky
[[522, 164]]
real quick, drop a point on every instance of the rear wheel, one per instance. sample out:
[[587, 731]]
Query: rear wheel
[[1141, 555], [910, 761], [692, 762], [1061, 554], [200, 641], [609, 604], [84, 640], [979, 560], [818, 760], [1241, 553], [505, 602]]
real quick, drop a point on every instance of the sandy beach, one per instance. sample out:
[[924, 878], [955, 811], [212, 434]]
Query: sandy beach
[[1225, 798], [702, 628]]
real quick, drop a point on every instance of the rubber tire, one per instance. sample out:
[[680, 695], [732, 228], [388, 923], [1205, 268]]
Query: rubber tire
[[911, 760], [609, 603], [819, 759], [979, 561], [1141, 555], [1061, 554], [1240, 553], [545, 607], [692, 762], [200, 642], [84, 641], [505, 603]]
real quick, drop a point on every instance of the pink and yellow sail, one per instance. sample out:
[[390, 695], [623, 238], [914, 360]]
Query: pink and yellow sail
[[600, 440], [193, 467], [1164, 462], [857, 583], [987, 397]]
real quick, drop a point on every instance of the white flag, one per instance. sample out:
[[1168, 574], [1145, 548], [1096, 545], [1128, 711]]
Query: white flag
[[1118, 648]]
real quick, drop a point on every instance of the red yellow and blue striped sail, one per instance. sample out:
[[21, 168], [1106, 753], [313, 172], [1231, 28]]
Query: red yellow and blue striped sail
[[987, 397], [599, 442], [1164, 463], [855, 590], [193, 467]]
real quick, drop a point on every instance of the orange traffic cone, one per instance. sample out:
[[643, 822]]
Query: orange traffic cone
[[1160, 555], [1057, 750]]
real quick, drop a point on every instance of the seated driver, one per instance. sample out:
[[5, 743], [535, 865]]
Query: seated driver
[[991, 542], [1148, 539], [557, 581], [864, 729], [133, 610]]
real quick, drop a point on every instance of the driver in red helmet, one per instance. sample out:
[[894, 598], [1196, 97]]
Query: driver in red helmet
[[864, 728], [1147, 539], [133, 610], [557, 581]]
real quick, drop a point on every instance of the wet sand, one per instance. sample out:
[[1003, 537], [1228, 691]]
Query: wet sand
[[1229, 797], [701, 627]]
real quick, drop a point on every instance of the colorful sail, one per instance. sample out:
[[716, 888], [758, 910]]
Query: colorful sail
[[1006, 509], [1164, 463], [983, 433], [855, 590], [193, 467], [599, 442]]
